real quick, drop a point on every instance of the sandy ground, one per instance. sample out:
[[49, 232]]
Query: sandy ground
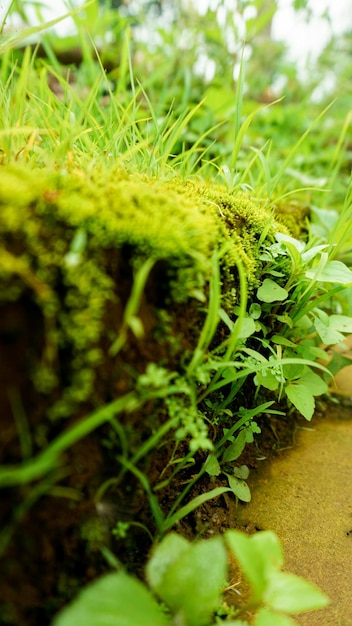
[[305, 496]]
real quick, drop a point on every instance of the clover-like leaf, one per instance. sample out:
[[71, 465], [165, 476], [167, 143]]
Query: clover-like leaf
[[270, 291]]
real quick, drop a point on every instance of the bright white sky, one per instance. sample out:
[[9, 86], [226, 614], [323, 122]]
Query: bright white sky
[[302, 39]]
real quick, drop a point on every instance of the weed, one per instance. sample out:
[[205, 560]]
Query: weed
[[189, 580]]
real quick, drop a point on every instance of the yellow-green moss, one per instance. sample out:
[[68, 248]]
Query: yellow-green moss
[[294, 216], [70, 242]]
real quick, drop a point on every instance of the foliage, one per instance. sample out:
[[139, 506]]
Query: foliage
[[175, 249], [189, 580]]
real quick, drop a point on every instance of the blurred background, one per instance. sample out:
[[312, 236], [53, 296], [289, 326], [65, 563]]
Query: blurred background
[[233, 55], [284, 37]]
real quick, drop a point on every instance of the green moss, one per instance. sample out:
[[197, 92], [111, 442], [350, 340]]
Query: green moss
[[71, 242], [294, 216]]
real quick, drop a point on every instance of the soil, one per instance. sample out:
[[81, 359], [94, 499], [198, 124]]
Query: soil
[[304, 496]]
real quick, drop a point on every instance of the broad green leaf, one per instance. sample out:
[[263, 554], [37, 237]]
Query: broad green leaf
[[343, 323], [314, 352], [165, 554], [301, 398], [287, 239], [327, 334], [332, 272], [292, 594], [212, 466], [312, 252], [323, 316], [239, 488], [266, 617], [293, 371], [270, 291], [117, 599], [303, 323], [233, 451], [316, 385], [192, 585], [268, 545], [249, 560]]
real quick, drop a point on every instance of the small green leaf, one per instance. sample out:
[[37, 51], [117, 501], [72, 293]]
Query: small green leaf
[[117, 599], [255, 355], [282, 341], [301, 398], [233, 451], [250, 561], [286, 319], [191, 505], [212, 466], [327, 334], [316, 385], [271, 292], [241, 472], [332, 272], [292, 594], [239, 488], [255, 310]]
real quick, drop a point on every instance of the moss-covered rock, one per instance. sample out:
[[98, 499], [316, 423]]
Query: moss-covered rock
[[105, 284], [72, 245]]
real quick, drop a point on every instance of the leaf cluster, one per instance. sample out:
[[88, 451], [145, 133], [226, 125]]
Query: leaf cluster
[[189, 580]]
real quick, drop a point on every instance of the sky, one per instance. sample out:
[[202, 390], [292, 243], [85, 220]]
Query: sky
[[303, 40]]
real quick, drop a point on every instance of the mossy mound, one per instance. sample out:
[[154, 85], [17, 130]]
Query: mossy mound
[[104, 291], [72, 243]]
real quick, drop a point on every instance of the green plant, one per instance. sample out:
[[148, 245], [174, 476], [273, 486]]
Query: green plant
[[160, 299], [230, 448], [189, 580]]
